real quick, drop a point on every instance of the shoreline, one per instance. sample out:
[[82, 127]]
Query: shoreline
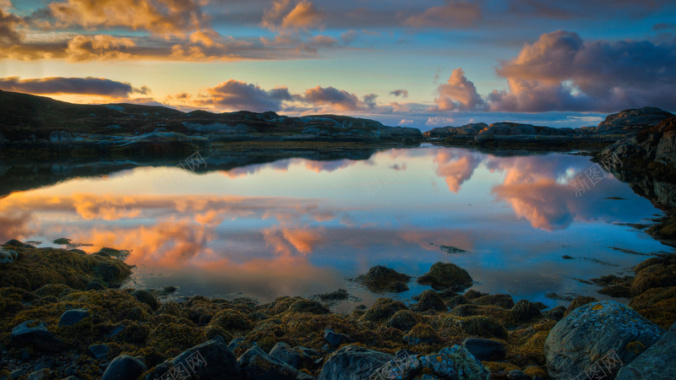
[[135, 322]]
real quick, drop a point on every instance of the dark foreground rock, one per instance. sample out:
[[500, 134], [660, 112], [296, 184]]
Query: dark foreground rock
[[256, 364], [657, 362], [210, 360], [36, 335], [353, 363], [595, 330], [124, 367], [485, 349]]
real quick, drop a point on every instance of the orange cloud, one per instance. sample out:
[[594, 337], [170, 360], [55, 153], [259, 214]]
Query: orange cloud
[[453, 14], [287, 15]]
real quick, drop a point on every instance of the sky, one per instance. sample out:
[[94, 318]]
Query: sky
[[422, 64]]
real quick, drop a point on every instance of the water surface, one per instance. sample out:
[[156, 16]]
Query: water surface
[[301, 227]]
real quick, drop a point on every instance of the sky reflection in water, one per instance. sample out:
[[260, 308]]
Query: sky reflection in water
[[300, 227]]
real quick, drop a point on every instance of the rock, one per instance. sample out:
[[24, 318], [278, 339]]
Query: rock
[[95, 285], [309, 306], [446, 276], [338, 295], [383, 309], [17, 244], [657, 362], [592, 331], [335, 339], [304, 376], [517, 374], [525, 311], [353, 363], [422, 333], [146, 298], [297, 357], [256, 364], [380, 279], [403, 320], [237, 343], [454, 363], [42, 374], [209, 360], [35, 334], [402, 366], [7, 256], [485, 349], [124, 367], [501, 300], [99, 351], [631, 120], [579, 301], [556, 313], [484, 327], [429, 300], [73, 317]]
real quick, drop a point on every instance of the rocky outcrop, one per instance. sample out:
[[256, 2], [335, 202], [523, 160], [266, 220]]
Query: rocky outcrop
[[256, 364], [657, 362], [629, 121], [593, 331], [209, 360], [7, 256], [380, 279], [443, 276], [467, 130]]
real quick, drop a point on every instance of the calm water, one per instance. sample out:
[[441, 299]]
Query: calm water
[[302, 227]]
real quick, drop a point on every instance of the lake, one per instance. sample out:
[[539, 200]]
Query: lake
[[298, 226]]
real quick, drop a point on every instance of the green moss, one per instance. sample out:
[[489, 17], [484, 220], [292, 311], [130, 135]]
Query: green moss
[[175, 338], [526, 346], [404, 320], [484, 327], [308, 306], [579, 301], [657, 305], [171, 308], [55, 291], [232, 321]]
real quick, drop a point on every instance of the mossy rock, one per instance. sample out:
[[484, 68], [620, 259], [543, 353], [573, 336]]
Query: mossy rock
[[497, 313], [403, 320], [380, 279], [171, 308], [661, 274], [483, 327], [382, 310], [526, 346], [36, 268], [617, 291], [133, 333], [214, 331], [430, 301], [525, 311], [473, 294], [446, 276], [657, 305], [504, 301], [175, 337], [231, 320], [116, 305], [146, 298], [579, 301], [308, 306], [422, 333], [54, 290]]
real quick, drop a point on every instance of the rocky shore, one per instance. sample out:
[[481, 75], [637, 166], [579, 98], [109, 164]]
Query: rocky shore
[[65, 316]]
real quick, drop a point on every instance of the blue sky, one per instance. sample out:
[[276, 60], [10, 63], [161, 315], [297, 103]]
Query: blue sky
[[559, 63]]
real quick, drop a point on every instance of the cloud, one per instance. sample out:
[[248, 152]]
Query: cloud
[[286, 14], [458, 93], [8, 24], [562, 72], [456, 167], [453, 14], [237, 95], [159, 17], [337, 99], [80, 86], [99, 47], [402, 93]]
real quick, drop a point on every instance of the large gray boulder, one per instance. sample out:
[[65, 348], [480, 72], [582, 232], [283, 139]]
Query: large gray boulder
[[591, 332], [297, 357], [256, 364], [353, 363], [124, 367], [657, 362], [209, 360]]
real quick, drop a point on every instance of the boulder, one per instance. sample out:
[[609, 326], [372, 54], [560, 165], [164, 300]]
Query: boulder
[[429, 300], [403, 320], [209, 360], [73, 317], [42, 374], [7, 256], [146, 298], [334, 339], [657, 362], [380, 279], [297, 357], [309, 306], [444, 276], [99, 351], [485, 349], [591, 332], [454, 363], [124, 367], [17, 244], [353, 363], [525, 311], [36, 335], [501, 300], [256, 364], [422, 333]]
